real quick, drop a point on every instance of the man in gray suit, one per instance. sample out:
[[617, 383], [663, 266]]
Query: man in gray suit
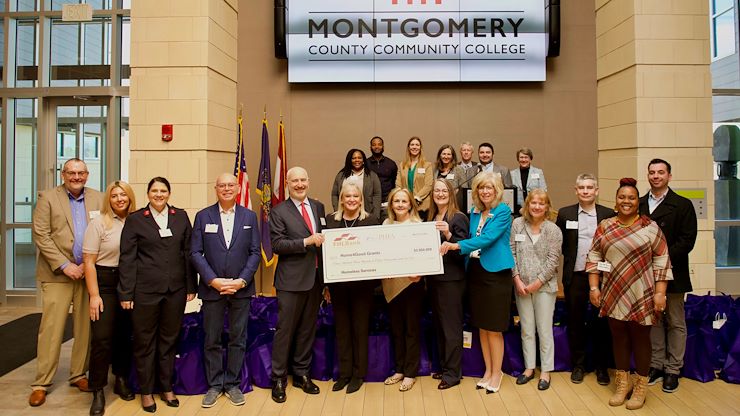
[[59, 221], [295, 232], [485, 156]]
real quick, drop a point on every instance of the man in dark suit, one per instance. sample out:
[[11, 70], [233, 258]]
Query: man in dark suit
[[485, 156], [295, 231], [225, 250], [677, 219], [59, 221], [578, 224]]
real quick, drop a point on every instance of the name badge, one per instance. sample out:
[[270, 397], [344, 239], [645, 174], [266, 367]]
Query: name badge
[[246, 227], [323, 221], [165, 233], [604, 266], [519, 237], [422, 170], [535, 176], [211, 228], [94, 214], [450, 176], [571, 225], [467, 339]]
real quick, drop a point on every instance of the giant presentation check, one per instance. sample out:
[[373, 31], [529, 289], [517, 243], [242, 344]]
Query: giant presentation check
[[365, 253]]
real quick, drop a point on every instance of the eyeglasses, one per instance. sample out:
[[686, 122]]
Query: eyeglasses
[[226, 185], [81, 174]]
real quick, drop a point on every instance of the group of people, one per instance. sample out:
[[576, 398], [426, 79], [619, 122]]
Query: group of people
[[131, 272]]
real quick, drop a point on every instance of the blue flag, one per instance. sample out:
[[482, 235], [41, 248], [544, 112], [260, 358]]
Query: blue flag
[[264, 191]]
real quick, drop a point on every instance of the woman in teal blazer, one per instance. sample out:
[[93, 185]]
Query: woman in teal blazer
[[489, 265]]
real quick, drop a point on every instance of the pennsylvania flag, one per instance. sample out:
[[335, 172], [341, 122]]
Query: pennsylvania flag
[[264, 182]]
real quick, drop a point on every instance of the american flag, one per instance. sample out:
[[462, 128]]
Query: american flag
[[279, 193], [240, 168]]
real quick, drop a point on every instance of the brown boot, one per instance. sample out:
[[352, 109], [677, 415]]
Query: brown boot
[[624, 386], [638, 394]]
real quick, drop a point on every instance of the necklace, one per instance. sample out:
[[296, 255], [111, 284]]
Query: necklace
[[629, 224], [350, 225]]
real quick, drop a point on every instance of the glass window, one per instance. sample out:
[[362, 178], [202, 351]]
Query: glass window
[[125, 152], [23, 255], [96, 4], [723, 28], [80, 53], [25, 54], [125, 51], [24, 159], [26, 5], [126, 4], [719, 6], [727, 246], [81, 132], [2, 37]]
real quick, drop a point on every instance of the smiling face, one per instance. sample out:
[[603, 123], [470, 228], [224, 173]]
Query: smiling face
[[658, 176], [358, 162], [376, 147], [119, 201], [226, 190], [158, 196], [401, 205], [74, 174], [446, 156], [298, 183], [414, 148], [351, 200], [524, 160], [466, 152], [538, 207], [627, 201], [485, 155], [586, 191], [441, 194], [486, 193]]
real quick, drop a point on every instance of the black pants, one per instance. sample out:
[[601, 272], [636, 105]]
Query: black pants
[[576, 301], [219, 377], [156, 320], [446, 298], [296, 331], [110, 341], [352, 303], [631, 338], [405, 316]]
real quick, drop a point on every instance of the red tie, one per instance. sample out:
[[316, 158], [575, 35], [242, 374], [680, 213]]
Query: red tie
[[306, 218]]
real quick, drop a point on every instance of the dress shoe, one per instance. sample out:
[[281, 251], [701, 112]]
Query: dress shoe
[[543, 384], [170, 402], [576, 377], [524, 379], [120, 387], [305, 384], [490, 388], [670, 382], [654, 376], [602, 377], [97, 408], [81, 384], [354, 385], [278, 390], [437, 376], [444, 385], [340, 384], [37, 398], [152, 407]]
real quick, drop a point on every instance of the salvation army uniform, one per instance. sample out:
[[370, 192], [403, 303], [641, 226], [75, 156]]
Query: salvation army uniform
[[155, 273]]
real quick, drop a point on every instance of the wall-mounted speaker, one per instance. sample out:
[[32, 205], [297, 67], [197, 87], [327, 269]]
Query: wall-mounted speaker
[[279, 30], [552, 27]]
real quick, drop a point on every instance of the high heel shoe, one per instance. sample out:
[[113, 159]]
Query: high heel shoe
[[171, 403], [481, 384], [494, 389], [151, 408]]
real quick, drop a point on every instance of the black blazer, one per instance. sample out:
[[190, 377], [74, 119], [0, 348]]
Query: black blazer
[[296, 268], [151, 264], [677, 219], [453, 261], [570, 237]]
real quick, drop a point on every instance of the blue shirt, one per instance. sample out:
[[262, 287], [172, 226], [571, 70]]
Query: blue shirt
[[79, 224]]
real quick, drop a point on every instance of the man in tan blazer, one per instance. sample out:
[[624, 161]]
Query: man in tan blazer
[[59, 222]]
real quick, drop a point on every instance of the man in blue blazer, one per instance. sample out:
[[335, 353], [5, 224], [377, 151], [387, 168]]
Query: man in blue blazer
[[225, 251]]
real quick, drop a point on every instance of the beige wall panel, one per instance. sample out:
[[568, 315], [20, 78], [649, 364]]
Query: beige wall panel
[[618, 137], [612, 13], [617, 88]]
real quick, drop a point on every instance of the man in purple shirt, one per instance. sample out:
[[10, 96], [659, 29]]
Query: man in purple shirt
[[59, 222]]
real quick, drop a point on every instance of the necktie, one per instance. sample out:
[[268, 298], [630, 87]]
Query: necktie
[[306, 218]]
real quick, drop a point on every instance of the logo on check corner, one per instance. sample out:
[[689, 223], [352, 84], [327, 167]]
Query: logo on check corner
[[346, 239]]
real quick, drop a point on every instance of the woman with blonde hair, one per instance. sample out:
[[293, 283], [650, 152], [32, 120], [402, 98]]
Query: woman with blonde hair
[[404, 296], [352, 301], [416, 175], [489, 266], [111, 325], [536, 243]]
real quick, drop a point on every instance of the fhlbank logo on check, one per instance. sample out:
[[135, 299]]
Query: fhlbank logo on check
[[346, 239]]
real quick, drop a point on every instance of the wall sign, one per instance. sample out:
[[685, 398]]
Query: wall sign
[[416, 40]]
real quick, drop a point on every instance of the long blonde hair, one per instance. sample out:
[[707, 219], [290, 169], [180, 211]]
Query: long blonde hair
[[487, 178], [349, 184], [407, 157], [413, 213], [107, 210]]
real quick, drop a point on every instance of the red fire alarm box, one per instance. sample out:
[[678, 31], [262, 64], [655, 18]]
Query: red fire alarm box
[[166, 132]]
